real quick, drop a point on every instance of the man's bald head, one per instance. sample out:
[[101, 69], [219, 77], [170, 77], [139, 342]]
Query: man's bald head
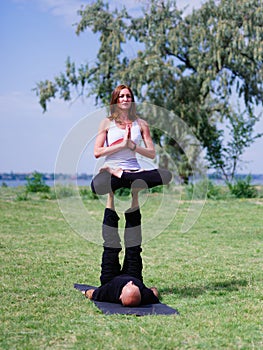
[[130, 295]]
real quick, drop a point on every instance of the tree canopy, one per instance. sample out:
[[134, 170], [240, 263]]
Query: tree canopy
[[192, 65]]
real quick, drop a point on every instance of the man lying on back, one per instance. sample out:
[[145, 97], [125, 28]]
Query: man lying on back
[[124, 286]]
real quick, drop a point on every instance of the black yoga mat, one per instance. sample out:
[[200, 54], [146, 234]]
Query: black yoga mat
[[141, 310]]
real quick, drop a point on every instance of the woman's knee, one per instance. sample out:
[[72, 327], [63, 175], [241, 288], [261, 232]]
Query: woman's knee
[[166, 176], [101, 183]]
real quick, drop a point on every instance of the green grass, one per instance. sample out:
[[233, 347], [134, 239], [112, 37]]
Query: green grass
[[213, 275]]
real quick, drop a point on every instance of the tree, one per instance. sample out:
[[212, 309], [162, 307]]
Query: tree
[[228, 154], [190, 65]]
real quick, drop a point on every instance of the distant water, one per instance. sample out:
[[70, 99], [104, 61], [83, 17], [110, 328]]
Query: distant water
[[256, 180], [17, 183]]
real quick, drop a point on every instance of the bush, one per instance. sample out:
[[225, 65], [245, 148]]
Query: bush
[[35, 183], [156, 189], [87, 193], [199, 190], [66, 191], [23, 196], [213, 191], [63, 192], [203, 187], [242, 188], [123, 192]]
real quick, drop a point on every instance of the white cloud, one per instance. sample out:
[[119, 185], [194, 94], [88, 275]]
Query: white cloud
[[66, 9], [134, 6], [190, 4]]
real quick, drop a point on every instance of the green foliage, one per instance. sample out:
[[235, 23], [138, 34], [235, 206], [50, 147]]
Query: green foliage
[[87, 193], [211, 191], [22, 196], [242, 188], [219, 46], [64, 191], [126, 192], [190, 65], [123, 192], [197, 191], [214, 191], [157, 189], [35, 183], [225, 156]]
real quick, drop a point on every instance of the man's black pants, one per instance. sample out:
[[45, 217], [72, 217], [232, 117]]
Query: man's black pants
[[132, 264]]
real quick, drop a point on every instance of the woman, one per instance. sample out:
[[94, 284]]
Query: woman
[[118, 140]]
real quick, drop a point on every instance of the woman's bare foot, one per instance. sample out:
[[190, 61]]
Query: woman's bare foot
[[105, 168], [116, 172]]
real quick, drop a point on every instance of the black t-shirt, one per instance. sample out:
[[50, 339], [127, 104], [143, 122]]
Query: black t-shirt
[[111, 291]]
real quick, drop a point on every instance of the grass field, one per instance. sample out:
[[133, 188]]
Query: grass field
[[213, 275]]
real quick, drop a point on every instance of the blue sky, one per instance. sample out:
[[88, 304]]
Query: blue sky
[[36, 38]]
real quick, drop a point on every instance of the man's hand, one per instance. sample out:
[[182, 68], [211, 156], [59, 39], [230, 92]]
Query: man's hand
[[155, 291], [89, 293]]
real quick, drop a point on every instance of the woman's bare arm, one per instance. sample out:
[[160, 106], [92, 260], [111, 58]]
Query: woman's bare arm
[[149, 150], [100, 150]]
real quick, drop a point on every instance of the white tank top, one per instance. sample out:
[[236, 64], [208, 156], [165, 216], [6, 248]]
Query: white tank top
[[126, 158]]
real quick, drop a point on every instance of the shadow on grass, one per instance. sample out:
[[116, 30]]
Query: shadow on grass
[[219, 288]]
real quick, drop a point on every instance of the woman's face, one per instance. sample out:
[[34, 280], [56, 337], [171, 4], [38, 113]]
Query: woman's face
[[124, 99]]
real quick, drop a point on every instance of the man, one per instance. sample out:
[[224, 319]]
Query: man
[[124, 285]]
